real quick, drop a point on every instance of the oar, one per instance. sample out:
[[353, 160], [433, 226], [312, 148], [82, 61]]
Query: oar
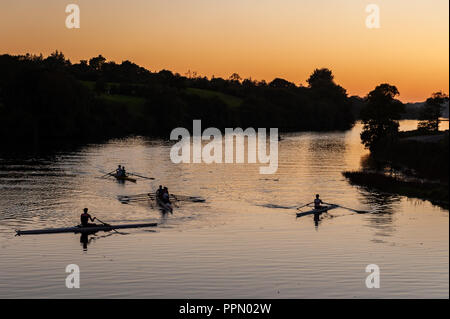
[[141, 176], [124, 200], [107, 174], [106, 225], [351, 209], [136, 200], [304, 205], [183, 197], [102, 222], [195, 199], [133, 196], [174, 204]]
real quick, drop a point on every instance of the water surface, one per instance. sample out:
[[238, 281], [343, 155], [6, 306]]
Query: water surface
[[240, 243]]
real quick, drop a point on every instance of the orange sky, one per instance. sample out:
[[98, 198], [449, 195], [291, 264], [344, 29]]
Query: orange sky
[[261, 39]]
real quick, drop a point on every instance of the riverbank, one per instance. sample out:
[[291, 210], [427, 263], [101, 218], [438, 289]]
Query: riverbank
[[415, 166], [436, 193]]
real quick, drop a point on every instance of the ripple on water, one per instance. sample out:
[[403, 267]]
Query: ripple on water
[[243, 242]]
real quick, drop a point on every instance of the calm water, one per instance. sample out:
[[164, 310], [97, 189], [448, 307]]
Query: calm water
[[240, 243]]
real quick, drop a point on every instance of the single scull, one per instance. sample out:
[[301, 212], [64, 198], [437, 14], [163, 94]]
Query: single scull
[[317, 211], [80, 229]]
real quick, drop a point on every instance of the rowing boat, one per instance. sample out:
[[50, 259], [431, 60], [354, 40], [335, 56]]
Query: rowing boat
[[125, 178], [194, 199], [317, 211], [81, 229]]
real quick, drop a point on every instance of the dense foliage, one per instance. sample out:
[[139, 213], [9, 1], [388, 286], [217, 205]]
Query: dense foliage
[[50, 100], [380, 117], [381, 134], [431, 112]]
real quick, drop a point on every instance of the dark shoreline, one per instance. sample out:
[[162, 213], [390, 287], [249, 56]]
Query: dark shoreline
[[44, 101], [436, 193]]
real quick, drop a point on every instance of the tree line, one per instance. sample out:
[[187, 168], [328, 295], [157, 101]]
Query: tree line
[[49, 100]]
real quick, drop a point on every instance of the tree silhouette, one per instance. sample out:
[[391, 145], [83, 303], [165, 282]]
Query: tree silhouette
[[279, 83], [380, 117], [248, 83], [321, 78], [97, 62], [235, 77], [56, 60], [36, 91], [431, 112]]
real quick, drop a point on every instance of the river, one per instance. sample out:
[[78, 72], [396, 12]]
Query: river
[[243, 242]]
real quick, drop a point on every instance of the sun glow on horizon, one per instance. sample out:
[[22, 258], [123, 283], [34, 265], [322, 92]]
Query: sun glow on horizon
[[261, 39]]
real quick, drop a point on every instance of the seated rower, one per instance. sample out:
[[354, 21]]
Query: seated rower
[[159, 192], [317, 202], [85, 217], [124, 172], [119, 171], [165, 196]]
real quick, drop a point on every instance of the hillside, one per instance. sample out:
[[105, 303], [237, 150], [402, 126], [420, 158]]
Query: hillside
[[50, 100]]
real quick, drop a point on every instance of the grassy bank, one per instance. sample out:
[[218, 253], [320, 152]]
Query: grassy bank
[[436, 193], [229, 100], [133, 102]]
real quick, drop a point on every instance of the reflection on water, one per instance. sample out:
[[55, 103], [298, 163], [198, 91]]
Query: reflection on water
[[86, 239], [244, 241]]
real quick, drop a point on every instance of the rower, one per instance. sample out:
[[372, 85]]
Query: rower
[[124, 172], [119, 171], [159, 192], [165, 195], [85, 217], [317, 202]]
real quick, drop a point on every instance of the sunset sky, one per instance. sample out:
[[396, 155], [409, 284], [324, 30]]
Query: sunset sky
[[261, 39]]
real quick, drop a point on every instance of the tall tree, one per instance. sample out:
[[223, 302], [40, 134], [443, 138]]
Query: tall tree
[[380, 117], [321, 81], [97, 62], [321, 78], [431, 112], [56, 60], [235, 78], [279, 83]]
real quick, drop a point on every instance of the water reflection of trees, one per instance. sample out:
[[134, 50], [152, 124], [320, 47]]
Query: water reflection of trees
[[381, 220], [321, 161], [327, 144], [325, 149], [369, 163]]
